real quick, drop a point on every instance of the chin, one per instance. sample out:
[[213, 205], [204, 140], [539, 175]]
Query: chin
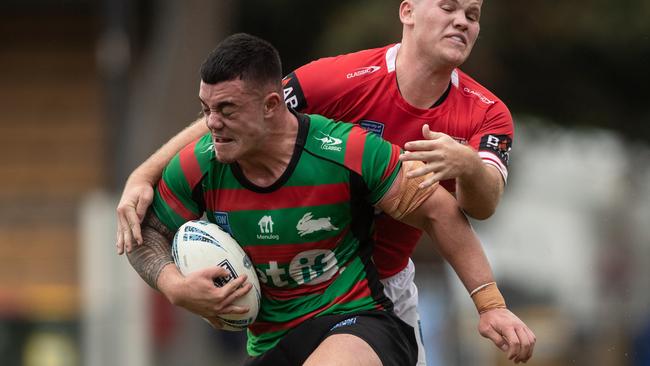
[[455, 58], [225, 158]]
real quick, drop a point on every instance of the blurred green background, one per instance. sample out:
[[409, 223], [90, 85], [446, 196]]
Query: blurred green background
[[89, 89]]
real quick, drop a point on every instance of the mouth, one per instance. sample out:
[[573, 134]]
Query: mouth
[[221, 140], [458, 38]]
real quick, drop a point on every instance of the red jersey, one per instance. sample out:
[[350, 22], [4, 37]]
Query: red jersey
[[361, 87]]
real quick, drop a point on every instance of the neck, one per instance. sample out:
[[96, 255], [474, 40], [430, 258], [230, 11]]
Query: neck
[[273, 156], [421, 82]]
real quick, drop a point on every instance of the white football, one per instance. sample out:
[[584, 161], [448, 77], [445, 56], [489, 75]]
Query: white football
[[201, 244]]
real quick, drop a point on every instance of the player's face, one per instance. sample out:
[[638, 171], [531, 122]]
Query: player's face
[[446, 30], [234, 115]]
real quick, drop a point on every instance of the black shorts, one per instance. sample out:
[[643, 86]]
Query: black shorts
[[392, 339]]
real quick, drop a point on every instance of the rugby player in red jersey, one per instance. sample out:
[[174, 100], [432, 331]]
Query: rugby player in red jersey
[[403, 92]]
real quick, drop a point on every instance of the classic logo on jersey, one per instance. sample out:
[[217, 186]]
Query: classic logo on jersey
[[372, 126], [222, 220], [266, 228], [293, 95], [329, 143], [308, 224], [362, 71], [500, 145], [222, 281], [480, 96], [310, 267]]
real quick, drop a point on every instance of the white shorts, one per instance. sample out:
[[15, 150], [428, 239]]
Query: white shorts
[[402, 291]]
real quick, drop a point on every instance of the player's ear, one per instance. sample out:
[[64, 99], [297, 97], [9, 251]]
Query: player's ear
[[406, 12], [272, 101]]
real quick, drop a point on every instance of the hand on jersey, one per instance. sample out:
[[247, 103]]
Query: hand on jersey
[[508, 333], [135, 201], [198, 294], [444, 157]]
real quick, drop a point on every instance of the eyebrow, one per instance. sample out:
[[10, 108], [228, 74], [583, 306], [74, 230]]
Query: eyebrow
[[220, 105]]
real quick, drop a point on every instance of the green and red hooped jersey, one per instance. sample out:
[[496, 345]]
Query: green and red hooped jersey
[[309, 234]]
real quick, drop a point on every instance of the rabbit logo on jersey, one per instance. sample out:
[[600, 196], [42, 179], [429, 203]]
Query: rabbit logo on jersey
[[308, 224], [310, 267]]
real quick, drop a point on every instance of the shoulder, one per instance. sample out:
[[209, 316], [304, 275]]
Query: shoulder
[[343, 72], [474, 91], [493, 111], [193, 161], [347, 144], [330, 85], [344, 64]]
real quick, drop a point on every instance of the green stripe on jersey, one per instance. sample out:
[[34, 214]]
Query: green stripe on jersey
[[301, 236]]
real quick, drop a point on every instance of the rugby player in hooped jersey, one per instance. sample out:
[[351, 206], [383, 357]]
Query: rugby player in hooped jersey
[[402, 92], [322, 301]]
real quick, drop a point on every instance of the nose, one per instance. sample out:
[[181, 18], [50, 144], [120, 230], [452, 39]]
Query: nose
[[460, 21], [213, 121]]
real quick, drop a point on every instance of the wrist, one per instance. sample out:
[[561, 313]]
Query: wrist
[[170, 283], [473, 165], [138, 177], [487, 297]]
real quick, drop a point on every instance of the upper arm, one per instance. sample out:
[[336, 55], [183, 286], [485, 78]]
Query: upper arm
[[374, 159], [405, 196], [433, 205], [493, 140]]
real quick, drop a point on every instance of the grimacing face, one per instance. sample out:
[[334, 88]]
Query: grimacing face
[[234, 113], [446, 30]]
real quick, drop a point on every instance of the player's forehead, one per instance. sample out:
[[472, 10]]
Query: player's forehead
[[234, 91], [462, 3]]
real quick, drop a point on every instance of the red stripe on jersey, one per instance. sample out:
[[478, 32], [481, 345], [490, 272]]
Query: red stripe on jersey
[[358, 291], [394, 159], [190, 164], [283, 294], [173, 202], [284, 253], [354, 149], [285, 197]]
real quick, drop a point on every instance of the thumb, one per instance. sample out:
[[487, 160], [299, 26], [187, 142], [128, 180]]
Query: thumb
[[144, 202], [428, 134]]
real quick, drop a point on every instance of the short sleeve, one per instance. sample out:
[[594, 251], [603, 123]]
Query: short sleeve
[[375, 159], [174, 199], [493, 140]]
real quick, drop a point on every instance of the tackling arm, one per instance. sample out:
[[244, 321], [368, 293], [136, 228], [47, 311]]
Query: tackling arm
[[479, 190], [479, 186], [151, 170], [138, 191], [435, 211]]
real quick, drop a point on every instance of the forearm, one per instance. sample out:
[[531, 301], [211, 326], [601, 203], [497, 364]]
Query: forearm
[[441, 218], [151, 170], [150, 258], [479, 190]]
